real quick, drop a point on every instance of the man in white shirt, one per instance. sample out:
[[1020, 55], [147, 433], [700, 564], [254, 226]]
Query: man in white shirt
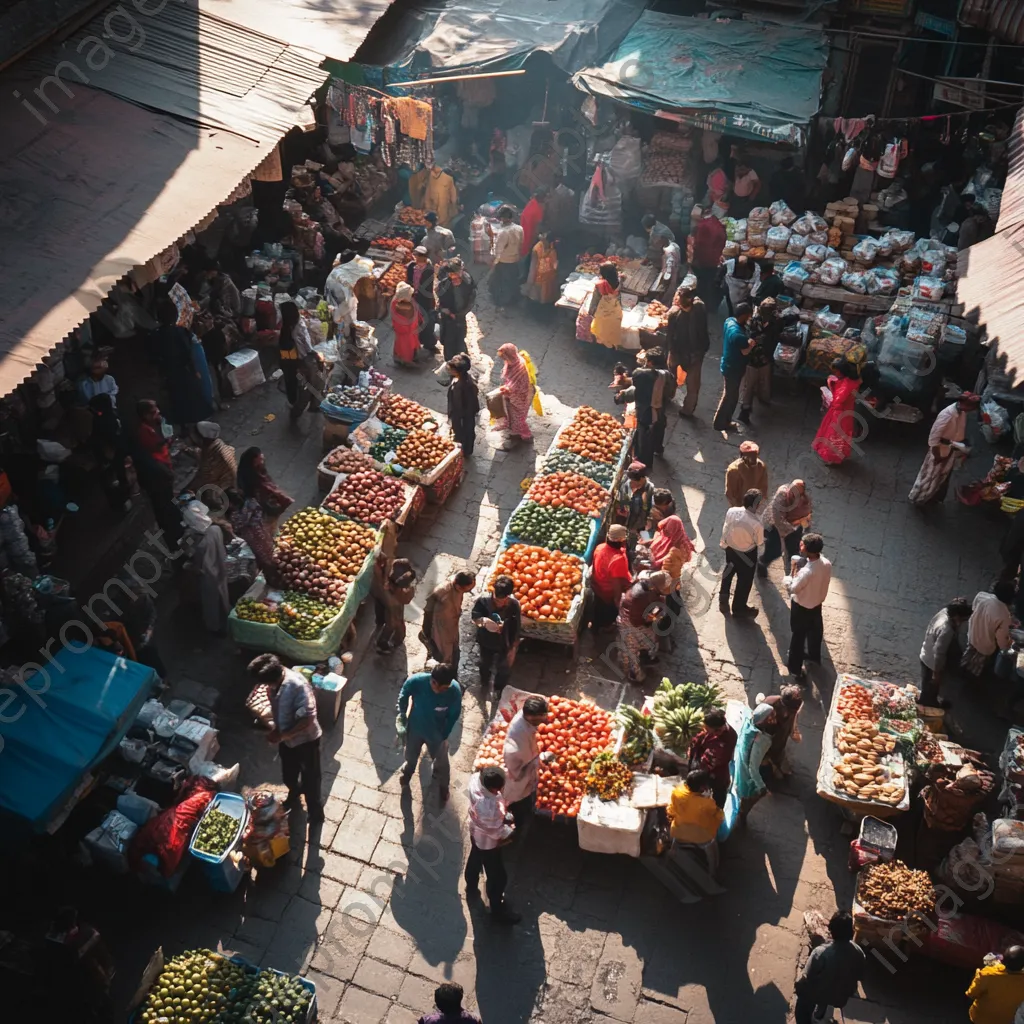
[[989, 628], [506, 248], [808, 589], [945, 449], [99, 382], [742, 535], [490, 828], [439, 242], [938, 638], [522, 757]]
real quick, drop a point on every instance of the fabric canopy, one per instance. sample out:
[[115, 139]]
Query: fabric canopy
[[991, 271], [749, 77], [97, 182], [93, 698], [491, 35]]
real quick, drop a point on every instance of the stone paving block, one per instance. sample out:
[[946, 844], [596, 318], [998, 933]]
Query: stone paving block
[[257, 931], [417, 993], [359, 1007], [323, 891], [618, 980], [391, 856], [328, 993], [304, 915], [361, 905], [266, 902], [339, 868], [343, 947], [358, 772], [557, 1002], [285, 877], [291, 950], [391, 948], [377, 882], [572, 954], [252, 953], [365, 797], [648, 1012], [381, 978], [401, 1015], [336, 806], [358, 837]]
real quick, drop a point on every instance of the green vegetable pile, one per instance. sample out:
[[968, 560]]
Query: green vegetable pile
[[216, 832], [202, 986], [557, 529], [560, 460], [388, 441], [679, 712], [303, 616]]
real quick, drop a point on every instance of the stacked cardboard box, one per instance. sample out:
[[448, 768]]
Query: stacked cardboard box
[[842, 218]]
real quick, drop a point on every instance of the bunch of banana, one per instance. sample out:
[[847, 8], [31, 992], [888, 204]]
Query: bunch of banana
[[677, 726], [702, 695], [638, 735]]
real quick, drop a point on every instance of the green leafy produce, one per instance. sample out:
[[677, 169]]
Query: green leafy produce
[[557, 529], [560, 460], [216, 832], [388, 441], [203, 986]]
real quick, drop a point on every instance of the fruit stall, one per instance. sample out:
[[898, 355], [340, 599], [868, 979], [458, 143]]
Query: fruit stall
[[371, 496], [220, 988], [549, 540]]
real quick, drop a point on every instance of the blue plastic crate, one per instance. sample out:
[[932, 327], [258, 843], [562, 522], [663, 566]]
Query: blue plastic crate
[[221, 872]]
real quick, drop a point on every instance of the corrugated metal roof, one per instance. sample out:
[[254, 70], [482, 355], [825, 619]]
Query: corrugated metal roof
[[1007, 20], [991, 271]]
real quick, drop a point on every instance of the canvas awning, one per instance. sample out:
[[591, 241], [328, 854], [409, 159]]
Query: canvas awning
[[492, 35], [751, 77], [991, 271], [129, 133]]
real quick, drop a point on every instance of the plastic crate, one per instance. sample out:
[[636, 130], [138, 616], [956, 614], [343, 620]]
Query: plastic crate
[[221, 871], [878, 836]]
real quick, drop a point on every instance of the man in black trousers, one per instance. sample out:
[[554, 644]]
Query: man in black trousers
[[807, 583], [742, 535]]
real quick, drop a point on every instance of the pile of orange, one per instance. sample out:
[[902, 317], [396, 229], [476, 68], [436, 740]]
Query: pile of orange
[[594, 435], [546, 581], [569, 490]]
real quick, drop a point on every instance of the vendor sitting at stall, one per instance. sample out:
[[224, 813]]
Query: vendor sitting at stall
[[695, 817], [635, 498], [98, 382], [658, 236], [218, 466], [712, 749]]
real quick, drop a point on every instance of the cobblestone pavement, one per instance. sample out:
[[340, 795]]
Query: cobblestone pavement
[[371, 907]]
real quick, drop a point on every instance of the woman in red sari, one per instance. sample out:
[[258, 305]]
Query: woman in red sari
[[832, 442], [518, 390]]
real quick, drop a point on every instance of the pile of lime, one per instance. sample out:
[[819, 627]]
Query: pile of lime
[[303, 616], [216, 832]]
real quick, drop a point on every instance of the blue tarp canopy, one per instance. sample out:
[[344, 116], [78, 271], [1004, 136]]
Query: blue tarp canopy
[[499, 35], [751, 77], [48, 750]]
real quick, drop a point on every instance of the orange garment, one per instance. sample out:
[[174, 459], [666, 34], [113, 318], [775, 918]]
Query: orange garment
[[441, 197]]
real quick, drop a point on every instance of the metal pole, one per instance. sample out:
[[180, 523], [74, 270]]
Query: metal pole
[[455, 78]]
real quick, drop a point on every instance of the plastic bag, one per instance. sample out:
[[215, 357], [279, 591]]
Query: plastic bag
[[731, 249], [815, 253], [855, 281], [809, 222], [850, 157], [882, 281], [931, 289], [899, 241], [796, 245], [831, 270], [933, 261], [995, 421], [829, 321], [866, 250], [794, 275], [818, 237], [780, 213], [760, 217], [777, 237]]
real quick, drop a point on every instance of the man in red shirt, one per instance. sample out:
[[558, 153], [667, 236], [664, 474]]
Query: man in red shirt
[[712, 749], [708, 242], [530, 220], [611, 576]]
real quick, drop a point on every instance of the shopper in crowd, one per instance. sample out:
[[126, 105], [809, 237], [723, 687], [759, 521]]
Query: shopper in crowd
[[419, 273], [765, 331], [711, 750], [154, 469], [506, 252], [642, 605], [498, 620], [634, 502], [688, 343], [742, 536], [808, 588], [783, 727], [834, 441], [463, 402], [441, 617], [490, 828], [606, 325], [519, 387], [522, 758], [939, 638], [738, 277], [611, 577], [218, 467], [303, 368], [183, 366], [771, 286], [658, 236], [736, 347], [695, 815], [664, 505], [753, 743], [945, 450], [997, 989], [784, 518], [456, 296], [438, 242], [669, 550], [255, 482], [542, 278], [205, 539], [747, 473], [394, 587], [650, 388], [97, 382], [440, 196], [448, 1000], [436, 704], [223, 304], [248, 521], [407, 322], [746, 187], [831, 974], [531, 219], [988, 630], [709, 240], [296, 731]]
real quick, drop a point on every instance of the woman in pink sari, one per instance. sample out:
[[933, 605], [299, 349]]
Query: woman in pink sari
[[518, 389], [832, 442]]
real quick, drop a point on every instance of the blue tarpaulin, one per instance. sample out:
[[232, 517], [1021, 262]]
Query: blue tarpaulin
[[750, 77], [48, 750]]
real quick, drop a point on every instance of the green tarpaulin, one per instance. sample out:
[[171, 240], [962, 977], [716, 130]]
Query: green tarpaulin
[[756, 78]]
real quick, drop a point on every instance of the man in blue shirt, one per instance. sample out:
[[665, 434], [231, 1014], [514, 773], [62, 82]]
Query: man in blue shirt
[[736, 346], [436, 705]]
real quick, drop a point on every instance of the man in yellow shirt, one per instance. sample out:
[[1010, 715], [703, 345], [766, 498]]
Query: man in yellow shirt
[[998, 990], [695, 817]]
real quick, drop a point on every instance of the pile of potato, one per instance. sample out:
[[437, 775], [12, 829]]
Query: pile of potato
[[403, 412], [893, 891], [422, 450], [860, 772]]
